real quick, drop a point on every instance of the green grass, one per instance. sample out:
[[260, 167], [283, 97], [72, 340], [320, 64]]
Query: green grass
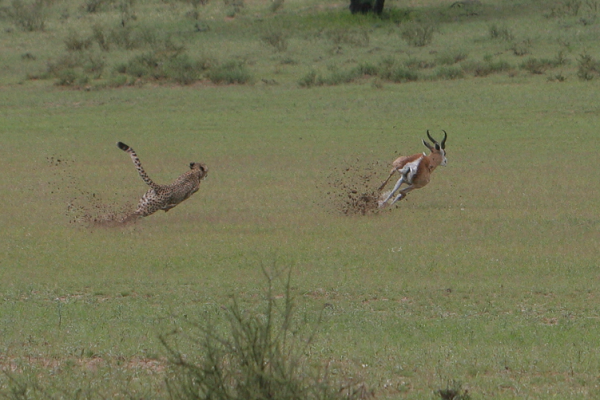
[[486, 277]]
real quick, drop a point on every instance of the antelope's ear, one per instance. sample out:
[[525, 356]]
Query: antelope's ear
[[427, 145]]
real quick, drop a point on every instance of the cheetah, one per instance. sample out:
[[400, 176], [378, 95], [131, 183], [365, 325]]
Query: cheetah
[[164, 197]]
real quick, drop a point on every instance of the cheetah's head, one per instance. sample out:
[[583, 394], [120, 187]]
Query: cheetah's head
[[199, 167]]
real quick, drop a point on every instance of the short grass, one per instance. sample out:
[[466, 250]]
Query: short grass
[[487, 277]]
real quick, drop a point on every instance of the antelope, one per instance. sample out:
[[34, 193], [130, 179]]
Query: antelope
[[415, 170]]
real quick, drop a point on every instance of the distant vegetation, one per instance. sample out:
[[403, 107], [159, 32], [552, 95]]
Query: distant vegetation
[[112, 43]]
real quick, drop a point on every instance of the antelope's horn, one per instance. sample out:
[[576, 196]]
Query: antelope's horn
[[430, 138], [443, 144]]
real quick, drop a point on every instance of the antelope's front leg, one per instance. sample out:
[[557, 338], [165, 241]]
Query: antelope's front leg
[[403, 193]]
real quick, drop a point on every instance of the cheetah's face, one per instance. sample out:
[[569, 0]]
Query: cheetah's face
[[200, 167]]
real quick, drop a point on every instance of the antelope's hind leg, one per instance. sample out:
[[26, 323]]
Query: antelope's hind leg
[[382, 203]]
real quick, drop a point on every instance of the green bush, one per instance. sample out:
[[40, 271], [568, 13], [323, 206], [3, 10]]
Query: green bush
[[74, 42], [451, 72], [338, 77], [485, 67], [230, 72], [500, 33], [182, 69], [100, 37], [93, 6], [451, 57], [588, 68], [256, 356], [537, 65], [276, 37], [352, 37], [418, 34], [390, 70], [308, 80], [29, 16]]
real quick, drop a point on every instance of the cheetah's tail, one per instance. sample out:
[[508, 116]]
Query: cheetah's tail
[[123, 146], [138, 164]]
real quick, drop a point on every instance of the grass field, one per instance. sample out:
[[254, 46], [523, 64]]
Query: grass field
[[487, 278]]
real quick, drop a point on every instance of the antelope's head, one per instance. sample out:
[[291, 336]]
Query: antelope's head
[[438, 150]]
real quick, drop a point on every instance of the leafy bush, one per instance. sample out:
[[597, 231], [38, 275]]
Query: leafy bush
[[100, 37], [418, 34], [367, 69], [230, 72], [75, 68], [521, 48], [71, 77], [485, 67], [588, 68], [338, 77], [29, 16], [537, 66], [414, 63], [74, 42], [451, 57], [183, 70], [124, 37], [276, 37], [352, 37], [500, 33], [390, 70], [452, 72], [93, 6], [308, 80], [258, 356]]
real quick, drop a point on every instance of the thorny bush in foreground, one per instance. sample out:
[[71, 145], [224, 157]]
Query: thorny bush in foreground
[[257, 356]]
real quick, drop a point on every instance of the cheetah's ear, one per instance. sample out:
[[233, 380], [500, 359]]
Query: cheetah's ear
[[192, 165]]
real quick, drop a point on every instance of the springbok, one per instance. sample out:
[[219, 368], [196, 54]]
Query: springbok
[[415, 170]]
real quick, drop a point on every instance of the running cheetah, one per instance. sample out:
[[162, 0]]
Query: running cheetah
[[164, 197]]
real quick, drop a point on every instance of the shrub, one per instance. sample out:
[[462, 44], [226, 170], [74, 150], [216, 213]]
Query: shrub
[[537, 66], [485, 67], [500, 33], [74, 42], [275, 37], [235, 6], [276, 5], [391, 71], [521, 48], [338, 77], [418, 34], [588, 68], [100, 37], [413, 63], [71, 77], [124, 38], [182, 69], [308, 80], [451, 57], [367, 69], [452, 72], [28, 16], [352, 37], [93, 6], [256, 356], [146, 65], [230, 72]]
